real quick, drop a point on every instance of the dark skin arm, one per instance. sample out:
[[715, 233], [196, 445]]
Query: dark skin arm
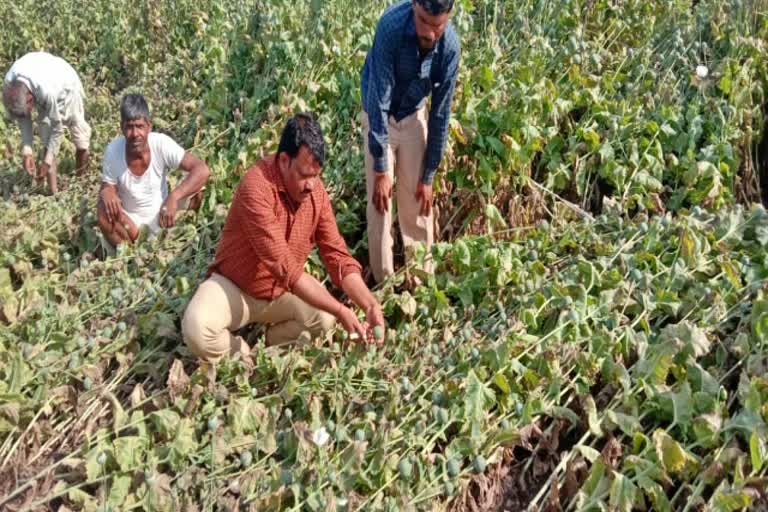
[[197, 174]]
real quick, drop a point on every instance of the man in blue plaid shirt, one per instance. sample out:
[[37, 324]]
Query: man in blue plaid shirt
[[415, 52]]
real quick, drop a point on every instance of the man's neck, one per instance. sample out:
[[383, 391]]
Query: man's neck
[[142, 154]]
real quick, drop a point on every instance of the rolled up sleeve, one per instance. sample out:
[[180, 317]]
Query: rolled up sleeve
[[25, 125], [332, 247], [268, 243]]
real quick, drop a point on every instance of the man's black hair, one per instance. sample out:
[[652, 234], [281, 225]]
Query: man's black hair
[[435, 7], [302, 129]]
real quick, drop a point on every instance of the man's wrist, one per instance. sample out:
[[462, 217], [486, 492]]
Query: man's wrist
[[173, 195]]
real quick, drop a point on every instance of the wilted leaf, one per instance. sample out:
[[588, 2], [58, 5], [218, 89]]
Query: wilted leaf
[[623, 491], [672, 455]]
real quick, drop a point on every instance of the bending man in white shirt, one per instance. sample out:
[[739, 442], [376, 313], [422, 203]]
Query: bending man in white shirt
[[134, 189], [42, 80]]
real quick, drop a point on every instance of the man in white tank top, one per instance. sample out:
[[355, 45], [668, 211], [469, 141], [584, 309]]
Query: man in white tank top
[[134, 189], [42, 81]]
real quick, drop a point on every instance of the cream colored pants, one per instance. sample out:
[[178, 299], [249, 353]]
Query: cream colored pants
[[220, 307], [405, 160]]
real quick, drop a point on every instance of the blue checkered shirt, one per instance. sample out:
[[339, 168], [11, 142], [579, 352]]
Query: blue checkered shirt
[[397, 80]]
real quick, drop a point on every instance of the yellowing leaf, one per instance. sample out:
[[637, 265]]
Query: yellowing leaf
[[672, 455]]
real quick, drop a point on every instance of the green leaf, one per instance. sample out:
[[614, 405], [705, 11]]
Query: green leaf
[[655, 492], [723, 501], [119, 489], [682, 404], [477, 399], [623, 493], [592, 418], [686, 336], [606, 152], [129, 451], [462, 257], [757, 451], [183, 445], [627, 423], [246, 415], [165, 422], [588, 453], [83, 500]]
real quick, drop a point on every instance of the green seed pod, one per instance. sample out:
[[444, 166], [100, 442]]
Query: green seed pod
[[87, 383], [286, 477], [448, 489], [378, 332], [443, 416], [288, 413], [360, 435], [101, 458], [246, 458], [213, 423], [453, 468], [504, 424], [405, 468], [479, 464]]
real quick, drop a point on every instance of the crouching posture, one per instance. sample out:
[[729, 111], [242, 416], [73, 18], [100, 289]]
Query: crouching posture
[[46, 82], [280, 210], [134, 189]]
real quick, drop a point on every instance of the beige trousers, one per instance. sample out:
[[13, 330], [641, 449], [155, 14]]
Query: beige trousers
[[220, 307], [405, 159]]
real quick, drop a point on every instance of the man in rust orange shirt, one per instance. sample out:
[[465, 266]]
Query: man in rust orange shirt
[[280, 211]]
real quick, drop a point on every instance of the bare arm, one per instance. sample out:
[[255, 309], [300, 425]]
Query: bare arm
[[197, 174], [110, 200]]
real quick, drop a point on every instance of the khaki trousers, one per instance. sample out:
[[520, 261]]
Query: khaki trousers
[[220, 307], [405, 160]]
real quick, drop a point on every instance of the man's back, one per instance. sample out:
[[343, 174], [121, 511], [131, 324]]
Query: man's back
[[45, 75]]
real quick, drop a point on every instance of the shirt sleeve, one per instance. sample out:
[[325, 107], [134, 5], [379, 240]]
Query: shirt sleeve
[[109, 173], [381, 81], [25, 125], [332, 247], [257, 216], [51, 112], [172, 152], [439, 115]]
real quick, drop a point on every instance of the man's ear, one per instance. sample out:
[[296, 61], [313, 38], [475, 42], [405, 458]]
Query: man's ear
[[283, 160]]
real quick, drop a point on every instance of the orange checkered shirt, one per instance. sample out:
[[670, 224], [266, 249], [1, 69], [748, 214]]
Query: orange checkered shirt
[[267, 239]]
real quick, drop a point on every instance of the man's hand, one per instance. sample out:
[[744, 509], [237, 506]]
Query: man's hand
[[42, 171], [424, 194], [168, 211], [375, 318], [382, 192], [350, 322], [112, 204], [29, 165]]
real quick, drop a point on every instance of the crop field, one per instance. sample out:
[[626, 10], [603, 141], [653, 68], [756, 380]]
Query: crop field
[[595, 334]]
